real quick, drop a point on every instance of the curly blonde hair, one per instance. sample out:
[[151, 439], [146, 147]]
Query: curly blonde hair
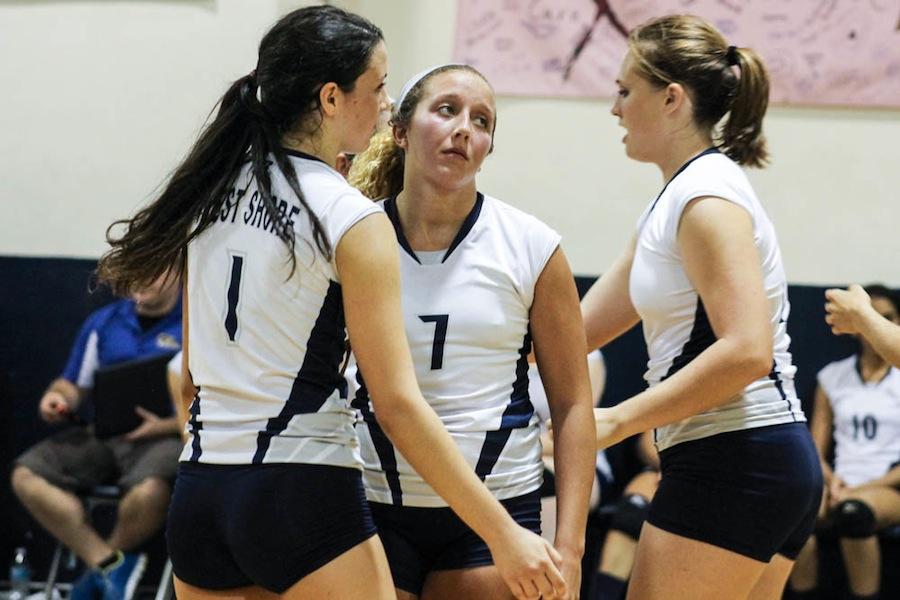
[[377, 171]]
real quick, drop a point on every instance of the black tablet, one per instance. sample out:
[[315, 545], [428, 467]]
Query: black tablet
[[120, 387]]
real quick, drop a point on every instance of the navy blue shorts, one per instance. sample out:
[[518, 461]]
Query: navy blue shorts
[[267, 525], [420, 540], [755, 491]]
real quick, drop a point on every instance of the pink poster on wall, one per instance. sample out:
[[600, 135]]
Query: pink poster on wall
[[833, 52]]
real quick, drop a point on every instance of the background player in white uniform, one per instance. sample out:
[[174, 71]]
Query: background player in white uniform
[[480, 280], [279, 252], [740, 478], [857, 406]]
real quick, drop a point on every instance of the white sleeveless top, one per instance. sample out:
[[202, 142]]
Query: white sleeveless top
[[676, 327], [266, 345], [467, 321]]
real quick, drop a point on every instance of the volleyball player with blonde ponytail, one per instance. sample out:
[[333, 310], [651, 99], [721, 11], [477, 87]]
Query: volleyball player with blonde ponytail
[[481, 281], [741, 481]]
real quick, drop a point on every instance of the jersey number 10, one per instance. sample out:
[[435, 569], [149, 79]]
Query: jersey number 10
[[868, 425]]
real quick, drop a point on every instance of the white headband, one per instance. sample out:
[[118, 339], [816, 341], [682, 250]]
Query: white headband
[[411, 83]]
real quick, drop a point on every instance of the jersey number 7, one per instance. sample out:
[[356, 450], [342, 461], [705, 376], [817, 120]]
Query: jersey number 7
[[440, 336]]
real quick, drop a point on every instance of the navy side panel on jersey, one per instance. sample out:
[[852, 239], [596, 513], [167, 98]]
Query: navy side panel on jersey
[[319, 374], [517, 415]]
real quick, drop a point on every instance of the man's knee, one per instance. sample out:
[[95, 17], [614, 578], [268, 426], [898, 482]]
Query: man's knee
[[23, 480], [150, 492], [631, 512], [854, 519]]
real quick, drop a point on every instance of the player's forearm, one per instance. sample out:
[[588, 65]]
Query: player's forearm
[[882, 334], [713, 378], [607, 310], [573, 457], [171, 425]]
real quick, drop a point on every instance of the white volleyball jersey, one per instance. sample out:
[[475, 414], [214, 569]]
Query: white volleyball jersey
[[676, 327], [467, 321], [266, 346], [866, 417]]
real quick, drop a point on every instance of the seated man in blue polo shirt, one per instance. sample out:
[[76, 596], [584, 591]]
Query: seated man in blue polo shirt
[[142, 462]]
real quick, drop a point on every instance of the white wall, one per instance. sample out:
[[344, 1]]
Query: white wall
[[101, 99]]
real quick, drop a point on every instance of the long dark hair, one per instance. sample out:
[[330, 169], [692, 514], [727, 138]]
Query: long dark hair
[[724, 80], [304, 50]]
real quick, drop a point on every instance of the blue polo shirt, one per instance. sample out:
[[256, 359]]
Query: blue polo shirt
[[113, 334]]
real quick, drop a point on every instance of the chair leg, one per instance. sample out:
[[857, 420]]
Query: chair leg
[[165, 590], [53, 572]]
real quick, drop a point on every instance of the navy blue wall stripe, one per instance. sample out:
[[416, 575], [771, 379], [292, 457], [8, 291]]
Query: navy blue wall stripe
[[701, 338], [517, 414], [319, 375], [383, 446], [51, 301], [196, 426]]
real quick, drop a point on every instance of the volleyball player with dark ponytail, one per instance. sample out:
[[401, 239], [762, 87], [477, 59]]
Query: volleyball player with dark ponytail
[[740, 482], [278, 252]]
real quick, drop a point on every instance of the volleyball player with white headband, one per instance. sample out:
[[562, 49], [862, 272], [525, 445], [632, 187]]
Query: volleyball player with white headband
[[481, 281]]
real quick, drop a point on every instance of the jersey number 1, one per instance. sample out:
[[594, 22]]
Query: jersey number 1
[[440, 336], [234, 291]]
